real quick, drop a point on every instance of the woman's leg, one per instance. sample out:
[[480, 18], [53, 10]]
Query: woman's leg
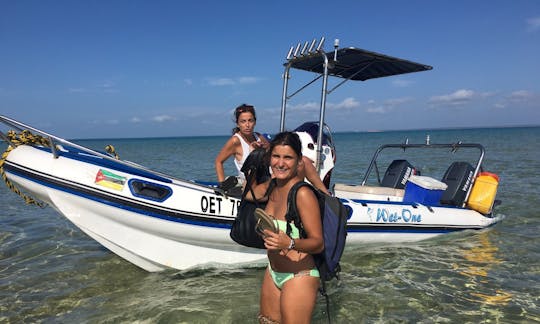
[[270, 295], [298, 298]]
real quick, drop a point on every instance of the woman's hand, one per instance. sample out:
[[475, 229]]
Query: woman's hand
[[276, 241], [259, 144]]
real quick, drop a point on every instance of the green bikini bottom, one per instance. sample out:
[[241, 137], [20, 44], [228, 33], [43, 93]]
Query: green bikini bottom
[[280, 278]]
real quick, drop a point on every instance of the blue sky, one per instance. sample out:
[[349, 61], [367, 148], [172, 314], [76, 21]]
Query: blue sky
[[102, 69]]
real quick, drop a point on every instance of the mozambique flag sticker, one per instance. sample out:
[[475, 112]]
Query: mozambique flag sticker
[[110, 180]]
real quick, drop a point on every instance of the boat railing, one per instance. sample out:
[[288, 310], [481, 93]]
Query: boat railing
[[54, 141], [454, 147]]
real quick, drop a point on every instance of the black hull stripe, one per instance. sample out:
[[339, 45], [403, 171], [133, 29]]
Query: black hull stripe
[[200, 219], [118, 201]]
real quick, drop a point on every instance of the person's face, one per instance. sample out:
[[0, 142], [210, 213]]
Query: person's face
[[246, 123], [284, 162]]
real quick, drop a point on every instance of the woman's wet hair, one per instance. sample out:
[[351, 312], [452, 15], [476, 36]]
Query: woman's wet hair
[[287, 138], [242, 109]]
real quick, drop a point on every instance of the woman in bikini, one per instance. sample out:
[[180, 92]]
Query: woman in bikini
[[291, 280], [242, 142]]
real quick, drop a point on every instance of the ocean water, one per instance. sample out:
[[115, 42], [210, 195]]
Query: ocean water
[[51, 272]]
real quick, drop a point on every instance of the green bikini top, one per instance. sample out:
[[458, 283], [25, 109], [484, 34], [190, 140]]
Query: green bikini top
[[282, 225]]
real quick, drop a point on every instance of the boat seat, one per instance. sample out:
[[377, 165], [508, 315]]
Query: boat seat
[[368, 192]]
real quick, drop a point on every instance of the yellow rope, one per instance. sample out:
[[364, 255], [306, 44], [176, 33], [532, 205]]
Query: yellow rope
[[25, 137], [110, 149]]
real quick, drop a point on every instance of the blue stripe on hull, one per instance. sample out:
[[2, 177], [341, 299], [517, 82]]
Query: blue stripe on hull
[[118, 201], [134, 206]]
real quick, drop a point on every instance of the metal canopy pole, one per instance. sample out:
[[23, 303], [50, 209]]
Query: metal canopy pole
[[286, 77], [323, 108]]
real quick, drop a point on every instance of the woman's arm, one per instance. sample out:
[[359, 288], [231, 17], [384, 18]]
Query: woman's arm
[[228, 150], [311, 174], [310, 215]]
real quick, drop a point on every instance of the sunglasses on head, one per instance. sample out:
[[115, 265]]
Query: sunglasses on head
[[244, 108]]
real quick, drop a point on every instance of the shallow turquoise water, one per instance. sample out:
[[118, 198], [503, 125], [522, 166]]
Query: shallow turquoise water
[[51, 272]]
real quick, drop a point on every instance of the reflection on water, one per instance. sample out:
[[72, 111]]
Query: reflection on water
[[481, 258]]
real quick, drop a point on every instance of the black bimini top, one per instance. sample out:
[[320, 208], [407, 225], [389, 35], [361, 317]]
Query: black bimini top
[[358, 64]]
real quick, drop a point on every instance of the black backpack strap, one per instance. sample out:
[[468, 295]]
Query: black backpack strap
[[322, 290], [292, 210]]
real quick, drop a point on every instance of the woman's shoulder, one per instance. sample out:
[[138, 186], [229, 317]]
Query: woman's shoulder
[[234, 139], [304, 190]]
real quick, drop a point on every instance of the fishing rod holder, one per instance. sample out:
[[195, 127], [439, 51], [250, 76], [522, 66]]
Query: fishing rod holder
[[307, 49]]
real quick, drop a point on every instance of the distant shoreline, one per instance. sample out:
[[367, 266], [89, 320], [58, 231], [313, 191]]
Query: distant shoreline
[[338, 132]]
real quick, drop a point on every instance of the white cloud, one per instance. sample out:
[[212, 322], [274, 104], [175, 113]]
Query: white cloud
[[135, 120], [521, 95], [163, 118], [350, 103], [402, 83], [188, 82], [397, 101], [376, 110], [533, 24], [308, 106], [346, 103], [457, 98], [247, 80], [387, 106], [487, 94], [220, 82]]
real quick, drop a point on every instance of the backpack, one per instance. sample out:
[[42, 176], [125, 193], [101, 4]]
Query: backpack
[[334, 226], [334, 217]]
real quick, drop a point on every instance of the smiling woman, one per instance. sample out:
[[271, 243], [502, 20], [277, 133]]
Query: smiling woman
[[291, 280]]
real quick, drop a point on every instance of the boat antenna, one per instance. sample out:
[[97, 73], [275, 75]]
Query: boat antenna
[[336, 46]]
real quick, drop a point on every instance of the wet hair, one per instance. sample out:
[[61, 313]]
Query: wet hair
[[242, 109], [287, 138]]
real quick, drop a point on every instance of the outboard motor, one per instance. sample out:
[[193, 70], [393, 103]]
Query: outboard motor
[[459, 178], [397, 174]]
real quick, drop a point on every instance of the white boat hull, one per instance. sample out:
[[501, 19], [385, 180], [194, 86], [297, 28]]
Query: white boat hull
[[191, 227], [151, 240]]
